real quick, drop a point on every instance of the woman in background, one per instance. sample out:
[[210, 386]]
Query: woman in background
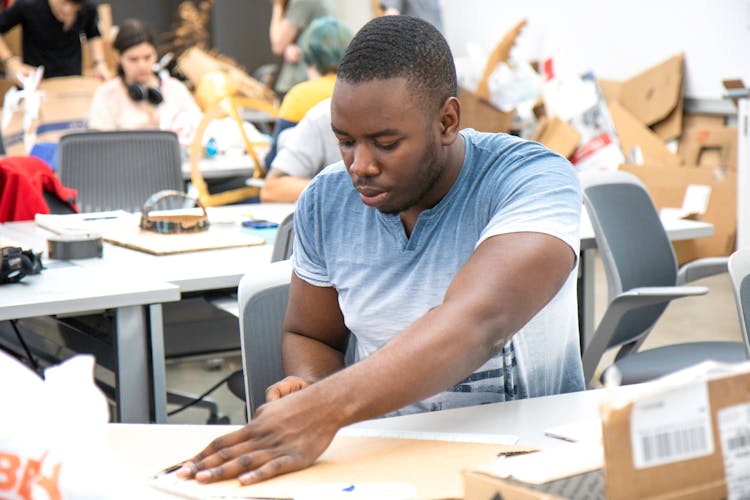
[[139, 98]]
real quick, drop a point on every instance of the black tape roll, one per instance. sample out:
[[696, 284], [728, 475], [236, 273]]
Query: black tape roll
[[74, 246]]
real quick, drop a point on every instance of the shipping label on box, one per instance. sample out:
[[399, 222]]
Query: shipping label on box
[[669, 442]]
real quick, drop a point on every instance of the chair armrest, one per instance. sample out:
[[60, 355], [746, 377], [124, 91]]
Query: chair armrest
[[621, 305], [701, 268], [644, 296]]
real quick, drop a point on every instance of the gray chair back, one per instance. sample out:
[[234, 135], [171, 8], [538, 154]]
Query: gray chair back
[[282, 245], [634, 247], [262, 298], [739, 272], [119, 170]]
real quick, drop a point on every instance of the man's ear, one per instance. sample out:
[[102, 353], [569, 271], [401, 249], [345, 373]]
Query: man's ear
[[450, 119]]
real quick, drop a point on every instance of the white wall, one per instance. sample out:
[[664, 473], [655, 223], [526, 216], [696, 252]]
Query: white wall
[[615, 38]]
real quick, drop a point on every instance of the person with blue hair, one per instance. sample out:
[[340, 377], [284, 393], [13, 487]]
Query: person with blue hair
[[322, 44]]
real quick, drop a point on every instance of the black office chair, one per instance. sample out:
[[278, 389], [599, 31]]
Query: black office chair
[[642, 279]]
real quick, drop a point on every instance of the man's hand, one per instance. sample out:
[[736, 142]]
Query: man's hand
[[292, 53], [15, 67], [101, 71], [285, 387], [285, 435]]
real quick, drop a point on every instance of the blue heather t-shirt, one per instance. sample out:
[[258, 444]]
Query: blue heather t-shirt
[[386, 281]]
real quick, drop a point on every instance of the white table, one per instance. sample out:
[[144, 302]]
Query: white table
[[219, 167], [123, 276], [136, 302]]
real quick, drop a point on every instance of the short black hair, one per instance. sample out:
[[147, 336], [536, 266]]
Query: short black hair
[[402, 47]]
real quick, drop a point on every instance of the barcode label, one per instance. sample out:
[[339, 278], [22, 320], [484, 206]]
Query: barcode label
[[673, 444], [671, 427], [734, 433]]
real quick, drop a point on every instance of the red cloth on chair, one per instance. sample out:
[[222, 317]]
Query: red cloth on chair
[[23, 180]]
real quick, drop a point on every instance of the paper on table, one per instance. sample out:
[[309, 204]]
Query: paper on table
[[93, 222]]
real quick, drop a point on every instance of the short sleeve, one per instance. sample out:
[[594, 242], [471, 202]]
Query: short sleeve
[[11, 17], [91, 26], [300, 13], [308, 260], [544, 196]]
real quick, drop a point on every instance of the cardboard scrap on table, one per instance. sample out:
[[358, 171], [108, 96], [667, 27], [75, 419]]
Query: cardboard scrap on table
[[166, 244], [667, 186], [433, 467]]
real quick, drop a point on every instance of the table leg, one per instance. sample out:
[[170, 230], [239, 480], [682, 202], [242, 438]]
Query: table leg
[[132, 365], [157, 364]]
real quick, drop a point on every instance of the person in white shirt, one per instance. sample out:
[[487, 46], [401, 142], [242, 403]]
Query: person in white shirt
[[303, 152]]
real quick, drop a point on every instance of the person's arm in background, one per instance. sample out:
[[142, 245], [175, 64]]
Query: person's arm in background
[[282, 32], [303, 151], [95, 42], [280, 187], [96, 49], [13, 64]]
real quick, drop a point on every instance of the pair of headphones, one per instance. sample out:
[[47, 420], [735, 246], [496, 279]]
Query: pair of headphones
[[140, 92], [17, 263]]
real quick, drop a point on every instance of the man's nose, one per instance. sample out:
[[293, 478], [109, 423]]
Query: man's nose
[[363, 164]]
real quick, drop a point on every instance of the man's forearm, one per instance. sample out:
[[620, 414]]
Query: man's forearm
[[96, 47], [275, 30], [437, 351], [5, 53]]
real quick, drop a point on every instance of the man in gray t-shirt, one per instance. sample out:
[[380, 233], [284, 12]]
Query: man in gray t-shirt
[[450, 255], [289, 18], [303, 152]]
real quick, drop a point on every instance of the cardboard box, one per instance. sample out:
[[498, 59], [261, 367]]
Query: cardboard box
[[572, 471], [479, 114], [557, 135], [686, 436], [667, 185], [653, 97], [64, 108], [634, 135], [710, 146]]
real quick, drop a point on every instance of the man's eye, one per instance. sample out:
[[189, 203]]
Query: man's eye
[[387, 146], [345, 143]]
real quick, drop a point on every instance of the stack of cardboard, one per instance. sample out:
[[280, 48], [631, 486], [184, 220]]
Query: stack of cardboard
[[647, 111]]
